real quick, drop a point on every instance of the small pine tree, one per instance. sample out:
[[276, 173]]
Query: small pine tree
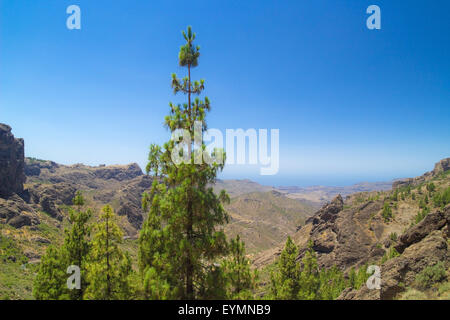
[[395, 195], [109, 268], [309, 277], [215, 284], [76, 243], [50, 282], [332, 283], [285, 280], [361, 277], [352, 278], [237, 270]]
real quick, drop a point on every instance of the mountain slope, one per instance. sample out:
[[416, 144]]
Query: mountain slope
[[413, 218], [263, 219]]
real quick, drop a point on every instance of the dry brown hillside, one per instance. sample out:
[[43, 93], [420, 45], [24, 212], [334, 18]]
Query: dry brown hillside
[[264, 219]]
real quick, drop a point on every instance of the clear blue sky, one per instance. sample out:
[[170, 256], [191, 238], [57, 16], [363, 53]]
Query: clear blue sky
[[351, 104]]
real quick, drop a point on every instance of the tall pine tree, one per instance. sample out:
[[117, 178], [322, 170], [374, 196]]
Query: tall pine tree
[[185, 210]]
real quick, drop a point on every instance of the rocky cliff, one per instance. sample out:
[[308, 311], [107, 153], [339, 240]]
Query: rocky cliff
[[52, 185], [11, 163], [13, 209], [439, 168]]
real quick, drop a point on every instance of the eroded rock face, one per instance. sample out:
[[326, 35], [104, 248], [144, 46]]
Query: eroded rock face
[[130, 200], [341, 237], [439, 167], [11, 163], [33, 167], [51, 185], [119, 173], [48, 198], [401, 271], [433, 221], [17, 213], [328, 212], [421, 246]]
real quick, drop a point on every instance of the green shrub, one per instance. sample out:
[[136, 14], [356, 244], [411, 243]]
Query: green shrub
[[422, 203], [421, 215], [387, 212], [444, 291], [431, 275], [392, 253], [431, 187], [393, 236], [394, 196]]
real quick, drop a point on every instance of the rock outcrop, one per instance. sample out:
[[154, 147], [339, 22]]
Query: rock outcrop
[[341, 236], [48, 197], [400, 272], [439, 167], [51, 185], [17, 213], [434, 221], [130, 200], [86, 176], [11, 163], [328, 212], [421, 246]]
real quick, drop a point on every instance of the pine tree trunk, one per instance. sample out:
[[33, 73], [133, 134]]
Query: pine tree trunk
[[108, 285], [189, 267]]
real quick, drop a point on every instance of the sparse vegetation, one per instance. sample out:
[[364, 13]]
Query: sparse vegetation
[[391, 253], [393, 236], [387, 212], [441, 199], [430, 276], [421, 215]]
